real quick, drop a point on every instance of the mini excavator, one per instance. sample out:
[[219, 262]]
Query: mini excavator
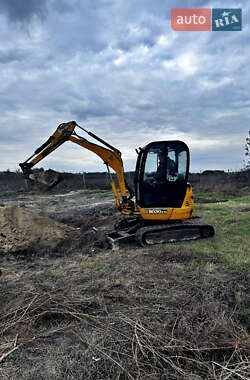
[[160, 210]]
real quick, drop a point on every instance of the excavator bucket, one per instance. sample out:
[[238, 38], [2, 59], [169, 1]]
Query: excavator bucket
[[43, 180]]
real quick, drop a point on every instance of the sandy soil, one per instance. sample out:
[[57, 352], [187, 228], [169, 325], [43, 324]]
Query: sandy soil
[[21, 229], [33, 221]]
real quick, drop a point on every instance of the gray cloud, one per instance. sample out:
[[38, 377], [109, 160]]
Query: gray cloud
[[22, 11], [7, 56], [118, 68]]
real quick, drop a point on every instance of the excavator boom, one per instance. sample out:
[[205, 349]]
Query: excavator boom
[[110, 156]]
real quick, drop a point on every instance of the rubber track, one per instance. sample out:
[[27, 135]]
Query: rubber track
[[206, 230]]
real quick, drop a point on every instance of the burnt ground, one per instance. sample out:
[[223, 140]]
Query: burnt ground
[[82, 311]]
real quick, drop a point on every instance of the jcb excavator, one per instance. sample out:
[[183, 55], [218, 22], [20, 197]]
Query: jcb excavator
[[163, 207]]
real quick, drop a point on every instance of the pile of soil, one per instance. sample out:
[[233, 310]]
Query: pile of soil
[[21, 229]]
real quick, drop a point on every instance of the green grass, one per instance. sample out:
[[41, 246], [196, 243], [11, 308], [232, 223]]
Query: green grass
[[212, 195], [231, 221]]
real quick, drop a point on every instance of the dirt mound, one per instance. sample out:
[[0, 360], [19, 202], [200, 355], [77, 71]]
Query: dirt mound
[[21, 229]]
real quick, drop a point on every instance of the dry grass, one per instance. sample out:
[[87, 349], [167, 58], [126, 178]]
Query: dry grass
[[123, 347], [106, 317], [84, 312]]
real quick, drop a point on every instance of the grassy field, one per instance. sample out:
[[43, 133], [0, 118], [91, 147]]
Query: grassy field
[[177, 311], [231, 220]]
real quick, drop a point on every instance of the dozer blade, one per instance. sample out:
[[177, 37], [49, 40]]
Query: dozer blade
[[165, 233], [118, 238]]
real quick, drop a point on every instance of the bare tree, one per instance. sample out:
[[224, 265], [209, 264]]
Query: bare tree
[[247, 151]]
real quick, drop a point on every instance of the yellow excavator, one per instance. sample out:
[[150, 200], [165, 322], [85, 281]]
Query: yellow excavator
[[160, 210]]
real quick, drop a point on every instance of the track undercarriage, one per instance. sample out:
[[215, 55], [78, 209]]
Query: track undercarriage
[[149, 233]]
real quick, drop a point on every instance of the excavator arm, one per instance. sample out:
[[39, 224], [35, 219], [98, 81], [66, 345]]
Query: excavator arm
[[110, 156]]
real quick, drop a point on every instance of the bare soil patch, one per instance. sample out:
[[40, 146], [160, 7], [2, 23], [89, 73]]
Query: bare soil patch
[[22, 229], [70, 204], [33, 223]]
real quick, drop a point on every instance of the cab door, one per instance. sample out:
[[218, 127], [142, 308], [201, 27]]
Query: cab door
[[161, 174]]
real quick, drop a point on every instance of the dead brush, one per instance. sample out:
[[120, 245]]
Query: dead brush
[[116, 346]]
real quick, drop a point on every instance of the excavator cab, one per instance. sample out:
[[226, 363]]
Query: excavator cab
[[161, 174]]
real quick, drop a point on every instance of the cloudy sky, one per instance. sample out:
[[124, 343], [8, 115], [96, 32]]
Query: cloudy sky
[[119, 70]]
